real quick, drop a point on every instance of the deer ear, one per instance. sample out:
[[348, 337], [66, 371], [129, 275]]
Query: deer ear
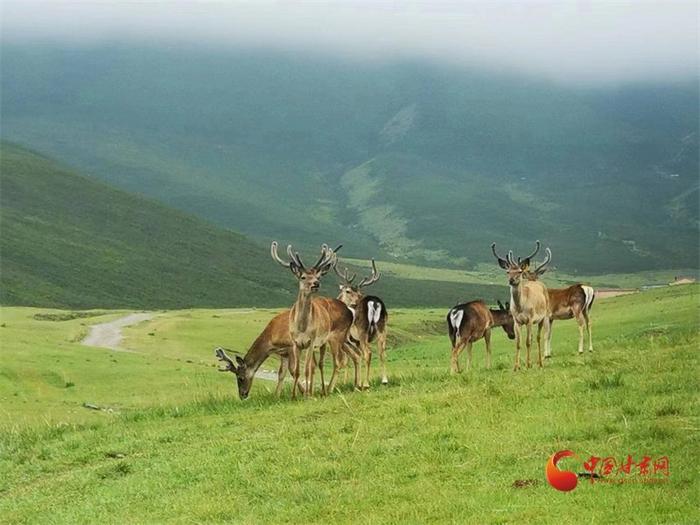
[[503, 264]]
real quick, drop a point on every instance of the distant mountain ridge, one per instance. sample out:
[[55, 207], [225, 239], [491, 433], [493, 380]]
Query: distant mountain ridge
[[407, 161]]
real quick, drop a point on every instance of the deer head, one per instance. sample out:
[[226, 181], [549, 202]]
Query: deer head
[[239, 368], [506, 318], [309, 278], [516, 270], [351, 294]]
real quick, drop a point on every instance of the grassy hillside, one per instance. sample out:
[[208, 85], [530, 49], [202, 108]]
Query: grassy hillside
[[70, 241], [412, 162], [174, 444]]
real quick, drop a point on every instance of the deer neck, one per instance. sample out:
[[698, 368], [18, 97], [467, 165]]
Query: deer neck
[[516, 296], [302, 310], [257, 354], [500, 317]]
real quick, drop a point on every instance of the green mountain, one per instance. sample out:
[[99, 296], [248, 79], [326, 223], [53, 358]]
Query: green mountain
[[406, 161], [71, 241]]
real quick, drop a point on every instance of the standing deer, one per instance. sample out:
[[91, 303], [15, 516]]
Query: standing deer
[[529, 301], [469, 322], [314, 322], [573, 302], [370, 317]]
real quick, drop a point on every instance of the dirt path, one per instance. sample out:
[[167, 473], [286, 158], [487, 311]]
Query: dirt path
[[109, 335]]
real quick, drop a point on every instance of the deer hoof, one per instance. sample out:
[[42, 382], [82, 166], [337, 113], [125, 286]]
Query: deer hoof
[[385, 381]]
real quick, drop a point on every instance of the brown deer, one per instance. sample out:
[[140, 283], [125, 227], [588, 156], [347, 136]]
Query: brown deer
[[529, 301], [370, 318], [314, 322], [273, 340], [573, 302], [469, 322]]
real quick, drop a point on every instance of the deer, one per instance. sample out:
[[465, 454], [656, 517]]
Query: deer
[[472, 321], [370, 318], [573, 302], [273, 340], [314, 322], [529, 301]]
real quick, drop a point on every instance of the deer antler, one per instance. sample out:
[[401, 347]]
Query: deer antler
[[230, 365], [366, 281], [503, 263], [548, 257], [526, 260], [345, 276]]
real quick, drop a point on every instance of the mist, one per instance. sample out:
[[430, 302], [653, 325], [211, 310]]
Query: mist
[[571, 42]]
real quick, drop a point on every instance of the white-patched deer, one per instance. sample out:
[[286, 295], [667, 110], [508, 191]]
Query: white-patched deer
[[314, 322], [370, 318], [529, 301], [469, 322], [573, 302]]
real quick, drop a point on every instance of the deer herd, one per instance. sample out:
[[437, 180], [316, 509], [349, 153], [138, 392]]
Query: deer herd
[[348, 325]]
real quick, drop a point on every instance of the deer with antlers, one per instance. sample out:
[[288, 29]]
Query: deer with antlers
[[529, 301], [370, 318], [275, 340], [573, 302], [314, 322], [469, 322]]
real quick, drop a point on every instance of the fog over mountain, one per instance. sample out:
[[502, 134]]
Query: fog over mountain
[[570, 41], [409, 131]]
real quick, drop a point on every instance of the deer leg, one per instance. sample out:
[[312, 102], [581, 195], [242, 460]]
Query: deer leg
[[281, 372], [540, 325], [528, 344], [581, 322], [308, 369], [588, 328], [548, 341], [294, 368], [517, 328], [456, 351], [381, 343], [367, 354], [357, 364], [469, 356], [321, 358], [336, 351], [487, 340]]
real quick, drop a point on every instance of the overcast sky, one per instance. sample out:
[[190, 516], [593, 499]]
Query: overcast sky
[[569, 41]]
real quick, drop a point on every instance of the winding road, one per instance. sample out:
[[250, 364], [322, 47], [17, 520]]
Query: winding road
[[109, 335]]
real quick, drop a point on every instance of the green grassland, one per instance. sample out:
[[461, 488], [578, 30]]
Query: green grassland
[[174, 443]]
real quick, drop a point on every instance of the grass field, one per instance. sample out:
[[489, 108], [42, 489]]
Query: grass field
[[173, 443]]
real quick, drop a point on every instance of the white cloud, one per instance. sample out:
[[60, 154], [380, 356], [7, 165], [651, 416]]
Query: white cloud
[[566, 40]]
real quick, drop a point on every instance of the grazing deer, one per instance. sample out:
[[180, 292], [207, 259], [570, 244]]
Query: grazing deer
[[469, 322], [370, 317], [273, 340], [529, 301], [314, 322], [573, 302]]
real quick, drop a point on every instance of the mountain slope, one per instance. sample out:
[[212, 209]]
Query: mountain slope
[[71, 241], [411, 161]]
